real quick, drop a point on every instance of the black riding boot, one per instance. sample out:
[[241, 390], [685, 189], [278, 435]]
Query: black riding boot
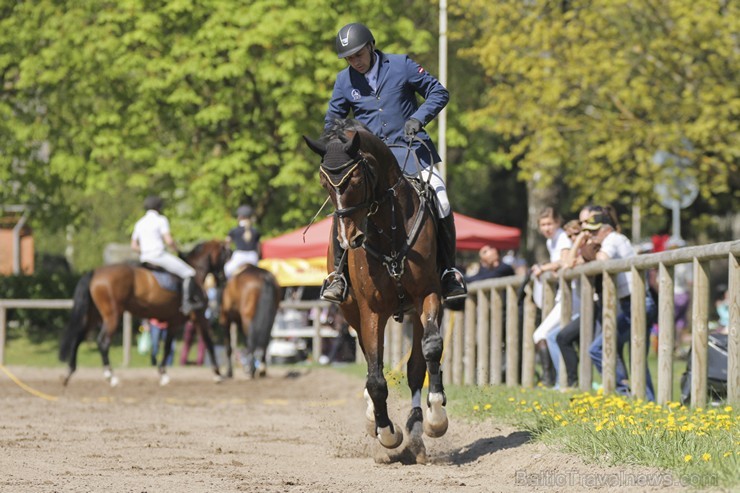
[[548, 368], [334, 289], [453, 284], [192, 296]]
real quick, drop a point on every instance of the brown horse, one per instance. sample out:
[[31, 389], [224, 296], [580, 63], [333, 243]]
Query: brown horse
[[387, 225], [250, 300], [102, 295]]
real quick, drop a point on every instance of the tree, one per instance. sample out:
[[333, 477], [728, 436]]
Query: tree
[[204, 102], [586, 92]]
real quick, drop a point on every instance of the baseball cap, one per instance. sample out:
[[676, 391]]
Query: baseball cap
[[594, 222]]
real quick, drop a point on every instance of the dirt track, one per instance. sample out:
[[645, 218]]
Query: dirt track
[[300, 431]]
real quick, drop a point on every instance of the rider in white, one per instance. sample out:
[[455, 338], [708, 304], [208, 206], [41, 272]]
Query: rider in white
[[150, 237], [246, 240]]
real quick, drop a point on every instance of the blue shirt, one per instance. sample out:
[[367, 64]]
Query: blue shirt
[[386, 110]]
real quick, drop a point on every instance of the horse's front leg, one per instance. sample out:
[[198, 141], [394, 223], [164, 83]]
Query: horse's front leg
[[435, 422], [104, 339], [376, 387]]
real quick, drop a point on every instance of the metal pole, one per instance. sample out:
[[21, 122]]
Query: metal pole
[[442, 141]]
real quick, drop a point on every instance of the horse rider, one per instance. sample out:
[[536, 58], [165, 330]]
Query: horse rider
[[150, 237], [380, 89], [246, 241]]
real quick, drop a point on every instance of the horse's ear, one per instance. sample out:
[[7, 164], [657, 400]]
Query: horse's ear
[[316, 146], [353, 145]]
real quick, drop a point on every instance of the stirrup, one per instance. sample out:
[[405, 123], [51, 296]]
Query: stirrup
[[330, 279], [461, 279]]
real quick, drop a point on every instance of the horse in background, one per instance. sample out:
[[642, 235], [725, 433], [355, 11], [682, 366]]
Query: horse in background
[[102, 295], [387, 226], [250, 300]]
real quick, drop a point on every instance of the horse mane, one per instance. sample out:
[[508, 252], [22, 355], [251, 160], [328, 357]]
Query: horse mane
[[338, 128]]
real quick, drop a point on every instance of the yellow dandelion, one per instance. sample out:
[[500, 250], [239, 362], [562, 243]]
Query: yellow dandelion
[[727, 454], [687, 458], [706, 457], [727, 409], [476, 408], [511, 399], [563, 423], [522, 402], [487, 407], [599, 428]]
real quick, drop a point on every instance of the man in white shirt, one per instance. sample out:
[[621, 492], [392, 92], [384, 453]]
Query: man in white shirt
[[150, 238]]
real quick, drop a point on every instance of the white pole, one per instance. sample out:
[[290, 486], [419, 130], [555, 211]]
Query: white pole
[[442, 141]]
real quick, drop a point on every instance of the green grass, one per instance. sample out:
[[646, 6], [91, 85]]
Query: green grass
[[44, 354]]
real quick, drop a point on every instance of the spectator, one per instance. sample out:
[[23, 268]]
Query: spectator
[[491, 265], [158, 331], [568, 336], [557, 242], [614, 245]]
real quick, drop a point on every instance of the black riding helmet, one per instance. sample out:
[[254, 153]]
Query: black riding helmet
[[244, 211], [352, 38], [153, 202]]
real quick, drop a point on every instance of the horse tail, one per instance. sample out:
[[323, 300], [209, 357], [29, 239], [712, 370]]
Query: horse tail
[[264, 316], [77, 325]]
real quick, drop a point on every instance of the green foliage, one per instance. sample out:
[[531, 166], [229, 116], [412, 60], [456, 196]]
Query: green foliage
[[589, 91], [38, 325]]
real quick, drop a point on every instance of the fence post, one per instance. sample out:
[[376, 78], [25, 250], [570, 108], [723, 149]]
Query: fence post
[[127, 339], [609, 334], [448, 321], [497, 336], [585, 372], [3, 332], [733, 361], [699, 326], [471, 309], [566, 313], [483, 338], [666, 334], [512, 338], [638, 334], [458, 336], [530, 314]]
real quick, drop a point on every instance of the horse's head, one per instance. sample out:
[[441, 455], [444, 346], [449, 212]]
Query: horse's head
[[209, 258], [350, 176]]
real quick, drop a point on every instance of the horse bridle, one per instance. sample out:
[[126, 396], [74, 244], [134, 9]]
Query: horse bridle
[[368, 181]]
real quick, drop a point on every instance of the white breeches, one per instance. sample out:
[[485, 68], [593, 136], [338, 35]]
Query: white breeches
[[238, 259], [170, 263], [443, 202]]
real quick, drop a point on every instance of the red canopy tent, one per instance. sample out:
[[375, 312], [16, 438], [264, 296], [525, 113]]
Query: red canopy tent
[[472, 234]]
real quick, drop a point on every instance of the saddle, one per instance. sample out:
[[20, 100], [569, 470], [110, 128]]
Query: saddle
[[166, 279]]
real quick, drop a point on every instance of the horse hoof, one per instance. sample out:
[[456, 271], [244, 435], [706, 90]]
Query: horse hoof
[[218, 379], [388, 439], [435, 419], [114, 381], [164, 380]]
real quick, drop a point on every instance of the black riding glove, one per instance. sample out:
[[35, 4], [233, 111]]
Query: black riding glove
[[411, 128]]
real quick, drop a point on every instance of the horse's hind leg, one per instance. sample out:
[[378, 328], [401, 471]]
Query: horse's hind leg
[[435, 422], [201, 325], [228, 348], [104, 339], [164, 378]]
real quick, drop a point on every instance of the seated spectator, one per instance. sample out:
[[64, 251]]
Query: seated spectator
[[491, 265]]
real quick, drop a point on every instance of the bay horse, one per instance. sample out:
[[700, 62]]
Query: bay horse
[[387, 226], [250, 300], [103, 294]]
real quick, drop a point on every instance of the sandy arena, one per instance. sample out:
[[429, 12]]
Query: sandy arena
[[298, 430]]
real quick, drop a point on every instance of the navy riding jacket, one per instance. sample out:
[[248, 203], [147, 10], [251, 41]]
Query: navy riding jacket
[[386, 110]]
